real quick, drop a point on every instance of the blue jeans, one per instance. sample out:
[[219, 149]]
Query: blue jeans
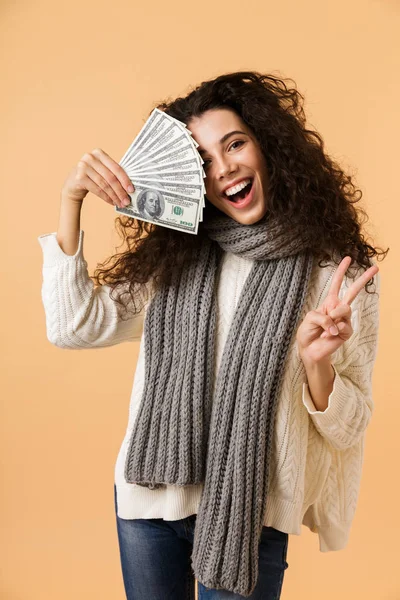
[[155, 561]]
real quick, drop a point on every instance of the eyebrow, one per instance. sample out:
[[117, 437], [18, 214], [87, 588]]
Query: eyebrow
[[222, 140]]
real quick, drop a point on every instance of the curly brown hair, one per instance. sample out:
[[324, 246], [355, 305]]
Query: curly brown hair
[[307, 188]]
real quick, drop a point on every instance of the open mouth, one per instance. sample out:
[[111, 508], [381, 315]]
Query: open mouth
[[241, 194]]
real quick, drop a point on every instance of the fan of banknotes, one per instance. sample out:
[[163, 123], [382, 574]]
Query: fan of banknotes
[[166, 170]]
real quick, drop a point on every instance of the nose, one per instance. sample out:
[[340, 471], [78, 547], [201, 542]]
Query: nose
[[224, 167]]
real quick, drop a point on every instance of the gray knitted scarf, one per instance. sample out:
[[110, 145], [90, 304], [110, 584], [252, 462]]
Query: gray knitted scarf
[[185, 432]]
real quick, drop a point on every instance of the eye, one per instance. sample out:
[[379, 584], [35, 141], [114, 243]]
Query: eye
[[205, 165], [237, 142]]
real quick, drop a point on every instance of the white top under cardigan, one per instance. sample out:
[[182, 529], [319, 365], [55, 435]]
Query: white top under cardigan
[[317, 456]]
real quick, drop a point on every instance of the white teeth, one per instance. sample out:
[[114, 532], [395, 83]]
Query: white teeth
[[237, 188]]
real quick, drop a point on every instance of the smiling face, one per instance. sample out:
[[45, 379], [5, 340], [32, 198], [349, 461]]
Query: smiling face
[[236, 170]]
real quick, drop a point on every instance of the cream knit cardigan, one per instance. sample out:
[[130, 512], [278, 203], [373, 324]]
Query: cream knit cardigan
[[317, 456]]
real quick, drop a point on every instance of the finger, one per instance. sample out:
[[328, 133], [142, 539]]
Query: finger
[[324, 321], [108, 176], [338, 276], [115, 168], [97, 185], [87, 176], [358, 285], [341, 311], [344, 328]]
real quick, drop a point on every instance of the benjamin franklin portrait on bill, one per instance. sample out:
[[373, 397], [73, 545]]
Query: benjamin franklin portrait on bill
[[150, 204]]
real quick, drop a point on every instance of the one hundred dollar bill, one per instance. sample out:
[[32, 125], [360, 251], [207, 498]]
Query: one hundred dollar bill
[[163, 208], [166, 170]]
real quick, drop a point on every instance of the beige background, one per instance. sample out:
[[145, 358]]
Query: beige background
[[80, 75]]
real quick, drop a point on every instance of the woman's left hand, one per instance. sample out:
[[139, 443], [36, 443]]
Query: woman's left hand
[[315, 337]]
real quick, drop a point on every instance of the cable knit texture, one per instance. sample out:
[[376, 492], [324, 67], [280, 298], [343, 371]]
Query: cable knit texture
[[316, 456]]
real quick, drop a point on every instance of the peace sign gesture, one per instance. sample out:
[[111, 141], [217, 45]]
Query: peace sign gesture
[[324, 330]]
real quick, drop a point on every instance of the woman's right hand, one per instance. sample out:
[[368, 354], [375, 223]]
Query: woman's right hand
[[98, 173]]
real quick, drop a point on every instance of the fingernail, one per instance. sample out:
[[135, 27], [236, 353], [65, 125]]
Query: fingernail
[[130, 188], [333, 330]]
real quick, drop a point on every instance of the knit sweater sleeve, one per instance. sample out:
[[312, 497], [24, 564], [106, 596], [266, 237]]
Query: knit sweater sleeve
[[78, 313], [350, 404]]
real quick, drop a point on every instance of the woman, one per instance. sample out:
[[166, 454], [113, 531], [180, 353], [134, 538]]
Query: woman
[[252, 391]]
